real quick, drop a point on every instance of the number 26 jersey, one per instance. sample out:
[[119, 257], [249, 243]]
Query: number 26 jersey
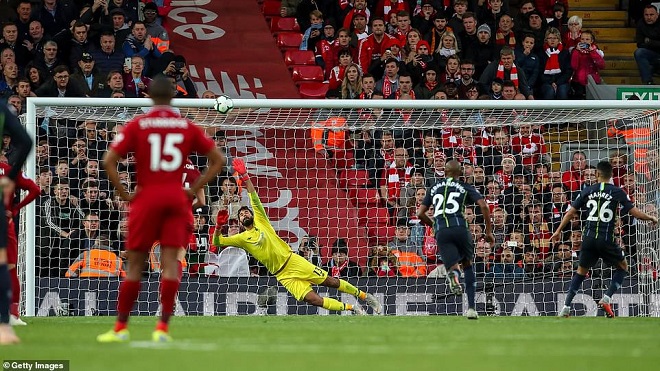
[[601, 203]]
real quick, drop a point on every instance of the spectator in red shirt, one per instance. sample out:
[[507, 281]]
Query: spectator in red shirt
[[574, 177], [372, 48], [395, 177], [337, 72], [529, 146]]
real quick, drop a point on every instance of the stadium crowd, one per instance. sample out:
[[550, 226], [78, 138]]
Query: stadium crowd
[[410, 50]]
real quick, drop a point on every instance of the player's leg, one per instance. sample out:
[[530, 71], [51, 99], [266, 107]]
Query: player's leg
[[347, 287], [451, 257], [169, 286], [128, 294], [588, 257], [7, 335], [180, 256], [470, 288], [613, 255], [12, 260]]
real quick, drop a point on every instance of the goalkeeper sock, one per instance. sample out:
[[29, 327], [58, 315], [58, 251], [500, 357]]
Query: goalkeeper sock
[[617, 281], [576, 282], [346, 287], [5, 294], [15, 291], [168, 290], [470, 285], [333, 304], [128, 293]]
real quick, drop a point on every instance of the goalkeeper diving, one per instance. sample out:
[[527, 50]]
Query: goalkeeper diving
[[293, 271]]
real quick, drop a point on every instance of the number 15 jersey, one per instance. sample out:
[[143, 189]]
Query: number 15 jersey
[[601, 202], [448, 198], [161, 141]]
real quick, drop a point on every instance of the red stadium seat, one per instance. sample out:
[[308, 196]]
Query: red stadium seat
[[299, 57], [313, 90], [343, 159], [373, 216], [284, 24], [289, 40], [353, 178], [307, 73], [271, 8], [364, 197]]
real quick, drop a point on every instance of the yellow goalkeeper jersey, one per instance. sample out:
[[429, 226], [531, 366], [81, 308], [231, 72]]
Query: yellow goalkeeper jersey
[[261, 241]]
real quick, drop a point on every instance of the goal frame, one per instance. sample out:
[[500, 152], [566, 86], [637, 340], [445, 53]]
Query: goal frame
[[34, 102]]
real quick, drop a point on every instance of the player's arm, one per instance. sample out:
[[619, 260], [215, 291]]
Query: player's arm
[[485, 211], [570, 214], [33, 191], [20, 141], [257, 207], [239, 166], [220, 240], [200, 198], [110, 161], [639, 214], [217, 161]]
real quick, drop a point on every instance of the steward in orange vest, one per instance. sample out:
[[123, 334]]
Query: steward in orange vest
[[97, 262]]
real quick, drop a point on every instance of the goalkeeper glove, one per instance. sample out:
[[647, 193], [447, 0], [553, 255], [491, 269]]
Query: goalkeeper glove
[[239, 166]]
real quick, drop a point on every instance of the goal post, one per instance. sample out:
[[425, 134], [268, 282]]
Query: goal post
[[288, 172]]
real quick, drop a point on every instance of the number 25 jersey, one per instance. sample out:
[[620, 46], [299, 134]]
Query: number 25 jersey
[[161, 141], [448, 198]]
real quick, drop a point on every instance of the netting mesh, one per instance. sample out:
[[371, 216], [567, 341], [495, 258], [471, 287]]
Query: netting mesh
[[322, 175]]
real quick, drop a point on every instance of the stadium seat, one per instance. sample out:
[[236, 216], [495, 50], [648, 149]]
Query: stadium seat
[[343, 159], [353, 178], [299, 57], [373, 216], [283, 24], [313, 90], [364, 197], [289, 40], [307, 73], [271, 8]]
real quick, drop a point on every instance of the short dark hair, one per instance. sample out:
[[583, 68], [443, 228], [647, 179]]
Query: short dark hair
[[605, 169], [244, 208], [59, 180]]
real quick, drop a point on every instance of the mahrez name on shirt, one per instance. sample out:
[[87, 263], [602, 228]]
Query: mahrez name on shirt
[[604, 195]]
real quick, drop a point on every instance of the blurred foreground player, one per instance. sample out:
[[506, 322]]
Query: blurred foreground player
[[33, 191], [293, 271], [601, 201], [161, 141], [9, 125]]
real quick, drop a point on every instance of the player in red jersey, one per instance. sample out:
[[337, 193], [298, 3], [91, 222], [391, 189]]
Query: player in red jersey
[[190, 176], [33, 191], [160, 140]]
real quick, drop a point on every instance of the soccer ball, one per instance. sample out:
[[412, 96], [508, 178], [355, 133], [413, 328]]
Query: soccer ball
[[223, 104]]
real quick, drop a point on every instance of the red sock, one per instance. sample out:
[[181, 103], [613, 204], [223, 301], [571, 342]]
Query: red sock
[[179, 265], [15, 291], [168, 290], [128, 293]]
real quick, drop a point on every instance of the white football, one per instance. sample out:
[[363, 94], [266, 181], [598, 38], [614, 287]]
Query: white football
[[223, 104]]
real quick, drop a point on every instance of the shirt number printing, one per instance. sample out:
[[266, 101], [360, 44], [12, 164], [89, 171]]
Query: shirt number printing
[[446, 206], [605, 214], [165, 146]]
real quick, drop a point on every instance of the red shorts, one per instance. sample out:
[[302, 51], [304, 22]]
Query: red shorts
[[159, 214], [12, 243]]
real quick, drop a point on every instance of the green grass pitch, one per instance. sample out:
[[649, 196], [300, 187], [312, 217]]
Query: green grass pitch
[[291, 343]]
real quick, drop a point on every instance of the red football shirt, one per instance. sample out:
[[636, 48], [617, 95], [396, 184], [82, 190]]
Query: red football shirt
[[190, 174], [161, 141], [23, 183]]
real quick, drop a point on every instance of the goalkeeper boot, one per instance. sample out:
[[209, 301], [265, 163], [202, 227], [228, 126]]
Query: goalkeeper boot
[[7, 335], [472, 314], [564, 312], [16, 321], [111, 336], [454, 284], [606, 306], [373, 303], [160, 336], [358, 310]]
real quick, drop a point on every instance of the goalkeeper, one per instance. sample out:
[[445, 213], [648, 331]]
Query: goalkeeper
[[293, 271]]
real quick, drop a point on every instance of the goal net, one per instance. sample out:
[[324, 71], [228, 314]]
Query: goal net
[[341, 181]]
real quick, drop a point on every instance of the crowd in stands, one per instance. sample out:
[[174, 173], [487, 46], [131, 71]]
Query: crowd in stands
[[395, 49], [449, 50]]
